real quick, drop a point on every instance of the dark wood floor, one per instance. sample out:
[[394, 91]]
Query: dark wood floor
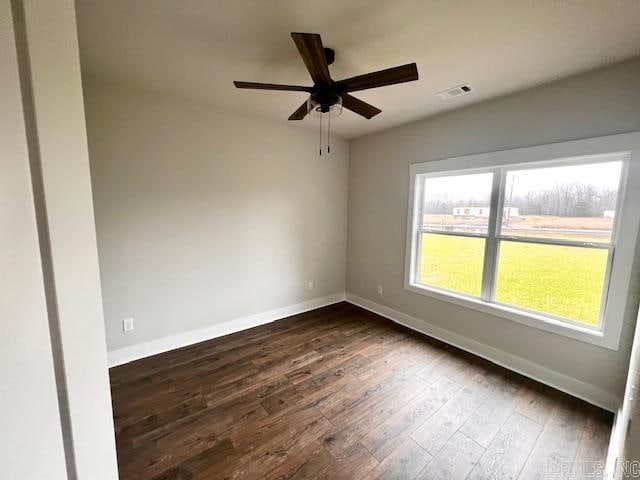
[[340, 393]]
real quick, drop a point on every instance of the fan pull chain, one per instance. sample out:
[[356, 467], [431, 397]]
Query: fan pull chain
[[321, 134], [329, 136]]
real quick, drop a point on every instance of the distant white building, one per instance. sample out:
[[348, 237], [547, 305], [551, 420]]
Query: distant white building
[[609, 213], [471, 211], [482, 212]]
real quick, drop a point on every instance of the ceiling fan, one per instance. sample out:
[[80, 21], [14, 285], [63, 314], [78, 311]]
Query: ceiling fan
[[326, 96]]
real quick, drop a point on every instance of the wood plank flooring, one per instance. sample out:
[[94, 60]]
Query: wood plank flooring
[[340, 393]]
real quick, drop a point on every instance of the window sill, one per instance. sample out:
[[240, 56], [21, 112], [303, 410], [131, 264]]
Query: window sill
[[540, 322]]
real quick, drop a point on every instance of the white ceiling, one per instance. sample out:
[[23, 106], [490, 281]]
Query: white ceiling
[[195, 48]]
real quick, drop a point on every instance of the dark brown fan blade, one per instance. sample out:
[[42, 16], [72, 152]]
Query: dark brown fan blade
[[271, 86], [390, 76], [300, 113], [312, 52], [358, 106]]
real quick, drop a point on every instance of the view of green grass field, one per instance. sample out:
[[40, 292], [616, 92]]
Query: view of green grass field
[[565, 281]]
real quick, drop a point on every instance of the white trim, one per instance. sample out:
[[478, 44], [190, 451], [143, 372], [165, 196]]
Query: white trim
[[615, 449], [491, 242], [142, 350], [620, 446], [577, 388], [586, 391], [626, 229]]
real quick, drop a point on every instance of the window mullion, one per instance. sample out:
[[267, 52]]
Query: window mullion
[[554, 241], [419, 223], [491, 245]]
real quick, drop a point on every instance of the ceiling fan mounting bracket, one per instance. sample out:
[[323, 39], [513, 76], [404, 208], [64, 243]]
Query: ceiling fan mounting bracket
[[330, 55]]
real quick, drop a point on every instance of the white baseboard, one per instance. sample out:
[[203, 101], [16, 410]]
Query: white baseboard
[[577, 388], [586, 391], [142, 350]]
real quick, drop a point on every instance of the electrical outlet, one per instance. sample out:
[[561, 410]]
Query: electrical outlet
[[310, 285], [380, 290], [127, 324]]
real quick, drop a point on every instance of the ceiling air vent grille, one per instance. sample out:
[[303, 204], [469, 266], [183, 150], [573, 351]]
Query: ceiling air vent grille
[[455, 92]]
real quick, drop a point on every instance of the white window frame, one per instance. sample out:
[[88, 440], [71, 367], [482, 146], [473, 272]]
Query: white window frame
[[621, 249]]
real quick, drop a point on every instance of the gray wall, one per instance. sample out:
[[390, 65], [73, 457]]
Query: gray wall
[[205, 216], [601, 102]]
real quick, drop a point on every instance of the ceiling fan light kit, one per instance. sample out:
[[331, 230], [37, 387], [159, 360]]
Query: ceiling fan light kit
[[324, 105], [328, 97]]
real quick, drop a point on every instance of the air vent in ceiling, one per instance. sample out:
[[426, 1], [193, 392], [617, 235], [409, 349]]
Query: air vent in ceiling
[[455, 91]]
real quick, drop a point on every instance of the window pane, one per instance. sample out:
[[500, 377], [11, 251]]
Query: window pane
[[560, 280], [457, 202], [452, 262], [575, 202]]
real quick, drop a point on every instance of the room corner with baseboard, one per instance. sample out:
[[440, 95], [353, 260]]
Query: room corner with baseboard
[[295, 240]]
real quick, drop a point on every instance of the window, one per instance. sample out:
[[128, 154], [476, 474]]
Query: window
[[555, 242], [547, 249], [530, 241], [450, 205]]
